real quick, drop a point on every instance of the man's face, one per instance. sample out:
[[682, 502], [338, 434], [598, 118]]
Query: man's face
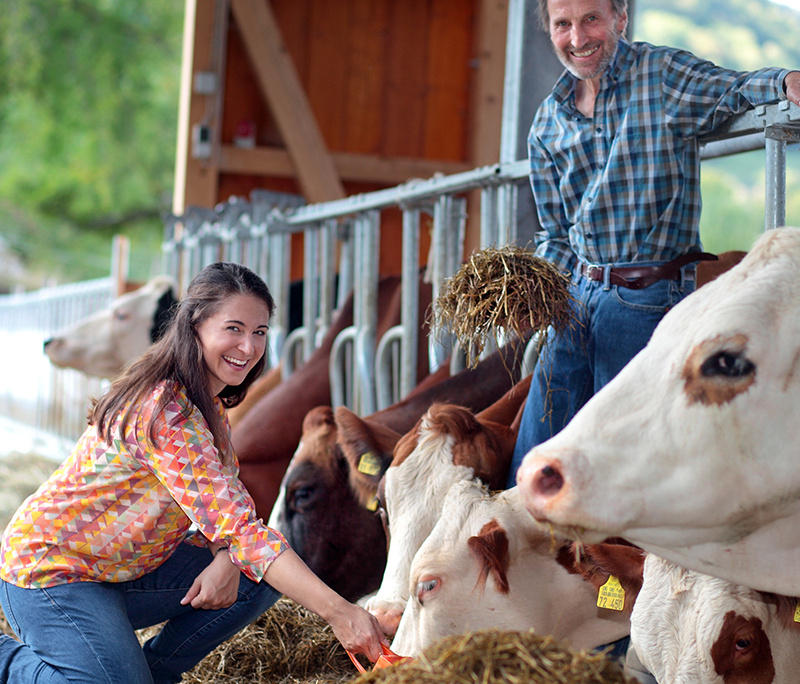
[[585, 34]]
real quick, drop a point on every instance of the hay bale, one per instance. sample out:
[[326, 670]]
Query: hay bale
[[501, 294], [500, 657], [286, 645]]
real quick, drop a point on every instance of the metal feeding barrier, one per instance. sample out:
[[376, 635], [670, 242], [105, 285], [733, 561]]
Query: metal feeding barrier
[[369, 374]]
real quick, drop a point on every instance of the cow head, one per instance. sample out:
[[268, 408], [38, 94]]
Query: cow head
[[488, 565], [106, 341], [448, 444], [690, 452], [326, 506], [691, 628]]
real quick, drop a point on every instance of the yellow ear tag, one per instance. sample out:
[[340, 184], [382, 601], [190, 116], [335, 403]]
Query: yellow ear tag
[[797, 612], [611, 595], [373, 504], [369, 464]]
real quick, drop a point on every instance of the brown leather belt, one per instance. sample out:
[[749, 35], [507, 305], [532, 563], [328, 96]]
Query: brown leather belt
[[638, 277]]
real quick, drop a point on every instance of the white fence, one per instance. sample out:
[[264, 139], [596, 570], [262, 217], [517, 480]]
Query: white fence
[[33, 393]]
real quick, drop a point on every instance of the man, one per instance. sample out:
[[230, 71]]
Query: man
[[615, 172]]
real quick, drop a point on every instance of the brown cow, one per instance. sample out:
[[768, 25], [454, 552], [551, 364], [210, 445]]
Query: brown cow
[[267, 435], [326, 507]]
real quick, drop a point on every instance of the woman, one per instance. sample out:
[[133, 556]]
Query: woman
[[104, 547]]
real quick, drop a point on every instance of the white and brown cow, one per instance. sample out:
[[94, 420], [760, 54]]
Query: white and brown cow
[[326, 503], [691, 628], [487, 564], [448, 444], [691, 452], [102, 344]]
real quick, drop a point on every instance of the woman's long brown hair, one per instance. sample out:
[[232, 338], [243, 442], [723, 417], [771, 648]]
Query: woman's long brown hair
[[178, 356]]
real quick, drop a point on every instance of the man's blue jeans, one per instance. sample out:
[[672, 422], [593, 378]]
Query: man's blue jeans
[[612, 324], [84, 632]]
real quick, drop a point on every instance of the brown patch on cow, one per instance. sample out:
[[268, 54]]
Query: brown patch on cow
[[702, 384], [319, 435], [597, 562], [406, 444], [711, 270], [490, 548], [741, 653]]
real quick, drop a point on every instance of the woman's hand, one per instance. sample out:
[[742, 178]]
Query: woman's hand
[[357, 630], [354, 627], [217, 586]]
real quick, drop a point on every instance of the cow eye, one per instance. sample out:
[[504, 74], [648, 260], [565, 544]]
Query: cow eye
[[427, 587], [727, 364], [743, 643], [301, 496]]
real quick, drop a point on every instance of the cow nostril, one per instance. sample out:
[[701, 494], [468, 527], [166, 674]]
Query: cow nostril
[[548, 481]]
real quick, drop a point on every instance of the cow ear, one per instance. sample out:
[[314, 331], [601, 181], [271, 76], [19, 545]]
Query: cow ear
[[490, 548], [597, 562], [368, 448], [788, 610], [505, 409]]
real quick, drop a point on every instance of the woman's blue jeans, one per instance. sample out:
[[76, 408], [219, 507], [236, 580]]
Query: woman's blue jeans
[[84, 632], [612, 324]]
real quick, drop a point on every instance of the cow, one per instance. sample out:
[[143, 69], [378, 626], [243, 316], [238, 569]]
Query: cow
[[102, 344], [690, 452], [266, 437], [448, 444], [487, 564], [691, 628], [327, 508]]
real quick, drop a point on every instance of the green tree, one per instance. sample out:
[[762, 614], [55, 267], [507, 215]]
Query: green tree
[[88, 120]]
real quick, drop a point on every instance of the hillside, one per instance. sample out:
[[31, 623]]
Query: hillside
[[742, 35]]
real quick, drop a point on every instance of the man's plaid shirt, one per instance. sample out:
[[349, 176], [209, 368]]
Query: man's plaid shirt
[[624, 186]]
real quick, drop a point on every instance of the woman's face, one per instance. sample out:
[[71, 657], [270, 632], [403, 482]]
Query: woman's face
[[233, 340]]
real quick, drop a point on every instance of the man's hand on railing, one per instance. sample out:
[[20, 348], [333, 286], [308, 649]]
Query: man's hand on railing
[[791, 84]]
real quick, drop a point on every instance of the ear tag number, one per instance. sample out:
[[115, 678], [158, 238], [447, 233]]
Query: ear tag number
[[369, 464], [611, 595]]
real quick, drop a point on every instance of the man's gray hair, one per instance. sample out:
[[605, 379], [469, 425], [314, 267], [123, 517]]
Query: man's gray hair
[[618, 7]]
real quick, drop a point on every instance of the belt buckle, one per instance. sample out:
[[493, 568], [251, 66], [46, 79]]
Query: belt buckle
[[594, 272]]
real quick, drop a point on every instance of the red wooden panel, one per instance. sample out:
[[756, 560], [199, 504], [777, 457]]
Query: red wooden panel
[[327, 68], [404, 99], [450, 48], [366, 73]]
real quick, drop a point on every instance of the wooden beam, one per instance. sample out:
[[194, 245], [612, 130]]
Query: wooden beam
[[195, 179], [281, 86], [362, 168]]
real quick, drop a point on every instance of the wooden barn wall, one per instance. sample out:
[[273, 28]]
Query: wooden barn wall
[[387, 78]]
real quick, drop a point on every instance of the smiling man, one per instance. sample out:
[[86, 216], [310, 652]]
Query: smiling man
[[615, 171]]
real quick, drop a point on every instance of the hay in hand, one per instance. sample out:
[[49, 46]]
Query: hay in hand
[[501, 294], [500, 657], [286, 645]]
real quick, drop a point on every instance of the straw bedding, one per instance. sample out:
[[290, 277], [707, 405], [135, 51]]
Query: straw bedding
[[290, 645]]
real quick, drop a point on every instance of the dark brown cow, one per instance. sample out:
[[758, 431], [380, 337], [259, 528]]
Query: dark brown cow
[[327, 504], [267, 435]]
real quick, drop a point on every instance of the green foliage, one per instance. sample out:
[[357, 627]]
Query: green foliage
[[88, 120], [742, 35]]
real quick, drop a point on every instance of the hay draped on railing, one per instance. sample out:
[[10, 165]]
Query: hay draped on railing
[[501, 294]]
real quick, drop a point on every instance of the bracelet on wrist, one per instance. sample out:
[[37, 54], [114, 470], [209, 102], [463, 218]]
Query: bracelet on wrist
[[221, 548]]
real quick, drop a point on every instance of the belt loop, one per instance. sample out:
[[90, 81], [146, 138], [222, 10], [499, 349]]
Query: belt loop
[[607, 277]]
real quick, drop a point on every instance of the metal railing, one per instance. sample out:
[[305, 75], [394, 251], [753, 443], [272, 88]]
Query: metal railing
[[380, 374]]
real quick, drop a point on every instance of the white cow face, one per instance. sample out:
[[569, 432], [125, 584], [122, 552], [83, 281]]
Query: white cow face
[[102, 344], [691, 451], [690, 628], [487, 564]]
